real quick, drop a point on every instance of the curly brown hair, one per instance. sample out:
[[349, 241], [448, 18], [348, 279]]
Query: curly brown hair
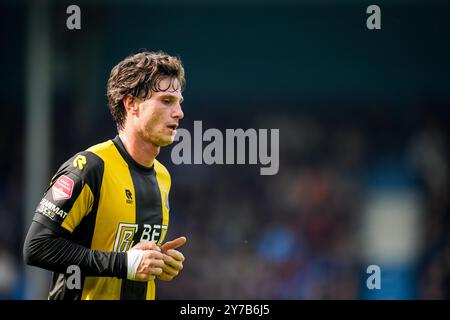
[[139, 75]]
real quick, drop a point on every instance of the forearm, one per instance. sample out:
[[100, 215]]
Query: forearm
[[45, 249]]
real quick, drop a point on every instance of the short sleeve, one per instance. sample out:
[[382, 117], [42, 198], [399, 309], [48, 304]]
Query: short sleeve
[[71, 194]]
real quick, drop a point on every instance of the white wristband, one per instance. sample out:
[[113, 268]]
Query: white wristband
[[134, 258]]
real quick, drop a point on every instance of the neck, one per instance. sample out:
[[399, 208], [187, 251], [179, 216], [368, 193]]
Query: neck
[[141, 151]]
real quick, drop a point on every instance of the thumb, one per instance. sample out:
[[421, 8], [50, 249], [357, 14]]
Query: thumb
[[178, 242], [149, 245]]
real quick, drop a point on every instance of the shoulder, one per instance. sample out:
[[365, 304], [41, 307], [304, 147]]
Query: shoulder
[[85, 166], [102, 149], [82, 163]]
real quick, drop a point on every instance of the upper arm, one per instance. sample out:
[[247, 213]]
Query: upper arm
[[72, 193]]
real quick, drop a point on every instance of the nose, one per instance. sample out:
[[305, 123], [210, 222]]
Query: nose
[[178, 112]]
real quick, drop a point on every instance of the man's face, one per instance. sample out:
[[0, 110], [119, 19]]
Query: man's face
[[157, 118]]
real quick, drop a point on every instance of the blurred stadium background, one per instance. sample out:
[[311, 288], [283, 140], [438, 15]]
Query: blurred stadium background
[[363, 118]]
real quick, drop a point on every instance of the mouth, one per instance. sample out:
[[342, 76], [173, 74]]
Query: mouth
[[173, 126]]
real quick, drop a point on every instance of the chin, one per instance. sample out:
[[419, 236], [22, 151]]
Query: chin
[[165, 143]]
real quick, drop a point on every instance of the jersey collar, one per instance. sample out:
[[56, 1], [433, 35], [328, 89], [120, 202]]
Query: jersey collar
[[123, 152]]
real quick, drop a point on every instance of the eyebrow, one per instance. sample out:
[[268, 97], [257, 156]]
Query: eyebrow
[[169, 95]]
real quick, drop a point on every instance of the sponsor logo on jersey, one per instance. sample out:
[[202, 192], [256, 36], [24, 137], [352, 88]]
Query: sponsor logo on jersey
[[79, 162], [50, 210], [126, 232], [62, 189]]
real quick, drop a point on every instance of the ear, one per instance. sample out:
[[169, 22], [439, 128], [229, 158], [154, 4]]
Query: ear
[[130, 104]]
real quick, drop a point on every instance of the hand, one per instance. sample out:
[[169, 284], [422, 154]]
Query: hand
[[173, 259], [151, 264]]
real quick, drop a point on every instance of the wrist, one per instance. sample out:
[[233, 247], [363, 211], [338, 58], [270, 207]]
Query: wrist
[[134, 258]]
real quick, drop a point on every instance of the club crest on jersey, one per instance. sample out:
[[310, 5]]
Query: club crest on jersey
[[62, 189], [129, 196]]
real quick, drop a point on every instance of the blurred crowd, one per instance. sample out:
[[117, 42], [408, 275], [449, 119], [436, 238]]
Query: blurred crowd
[[295, 235], [288, 236]]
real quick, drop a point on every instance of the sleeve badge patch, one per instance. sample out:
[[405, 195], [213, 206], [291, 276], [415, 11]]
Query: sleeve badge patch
[[62, 189]]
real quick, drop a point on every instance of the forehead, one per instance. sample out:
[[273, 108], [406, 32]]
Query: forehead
[[168, 84], [168, 87]]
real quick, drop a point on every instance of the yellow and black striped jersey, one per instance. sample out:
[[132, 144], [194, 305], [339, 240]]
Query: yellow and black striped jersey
[[105, 201]]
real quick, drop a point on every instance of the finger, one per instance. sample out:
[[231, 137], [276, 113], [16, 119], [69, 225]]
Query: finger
[[152, 263], [149, 245], [177, 264], [170, 270], [165, 277], [178, 242], [177, 255], [151, 254], [174, 259], [156, 271]]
